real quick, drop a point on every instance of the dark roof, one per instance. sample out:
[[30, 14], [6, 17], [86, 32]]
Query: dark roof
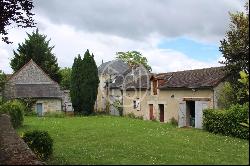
[[199, 78], [38, 91], [139, 80], [113, 67], [143, 82]]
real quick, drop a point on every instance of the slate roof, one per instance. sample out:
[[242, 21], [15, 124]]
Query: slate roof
[[113, 67], [139, 80], [198, 78], [37, 91]]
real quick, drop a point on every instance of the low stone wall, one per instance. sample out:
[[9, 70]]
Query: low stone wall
[[13, 150]]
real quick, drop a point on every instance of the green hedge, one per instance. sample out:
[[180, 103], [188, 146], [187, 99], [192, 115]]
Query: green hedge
[[40, 143], [15, 109], [227, 122]]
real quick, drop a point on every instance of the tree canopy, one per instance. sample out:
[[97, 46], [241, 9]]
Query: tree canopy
[[16, 12], [235, 50], [134, 59], [235, 45], [2, 80], [84, 84], [36, 47], [66, 75]]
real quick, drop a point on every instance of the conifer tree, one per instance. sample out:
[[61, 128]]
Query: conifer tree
[[36, 47], [75, 84], [84, 84]]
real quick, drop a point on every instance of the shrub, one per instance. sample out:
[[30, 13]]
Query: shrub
[[15, 109], [227, 122], [57, 114], [227, 96], [40, 143], [30, 113], [173, 121], [29, 103], [132, 115]]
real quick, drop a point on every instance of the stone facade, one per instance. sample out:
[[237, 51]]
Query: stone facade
[[32, 82], [171, 100]]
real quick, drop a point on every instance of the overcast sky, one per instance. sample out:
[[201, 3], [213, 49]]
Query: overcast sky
[[173, 34]]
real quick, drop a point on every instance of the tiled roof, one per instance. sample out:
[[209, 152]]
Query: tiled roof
[[37, 91], [113, 67], [199, 78], [140, 79]]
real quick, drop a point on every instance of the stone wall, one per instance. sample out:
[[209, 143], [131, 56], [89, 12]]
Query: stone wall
[[13, 150]]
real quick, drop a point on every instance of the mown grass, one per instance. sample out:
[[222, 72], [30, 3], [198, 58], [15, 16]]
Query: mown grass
[[116, 140]]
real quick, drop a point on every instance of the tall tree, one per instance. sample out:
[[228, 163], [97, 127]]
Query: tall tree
[[16, 12], [75, 84], [36, 47], [84, 84], [235, 45], [66, 75], [134, 59]]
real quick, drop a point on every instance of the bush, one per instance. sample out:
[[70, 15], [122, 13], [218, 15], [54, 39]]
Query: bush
[[29, 103], [227, 122], [30, 113], [40, 143], [15, 109], [132, 115], [57, 114], [173, 121]]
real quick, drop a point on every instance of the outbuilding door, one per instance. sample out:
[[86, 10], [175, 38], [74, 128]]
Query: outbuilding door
[[161, 107], [39, 109], [182, 114], [199, 107], [151, 111]]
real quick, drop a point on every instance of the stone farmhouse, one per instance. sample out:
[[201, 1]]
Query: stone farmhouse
[[107, 72], [32, 82], [175, 96]]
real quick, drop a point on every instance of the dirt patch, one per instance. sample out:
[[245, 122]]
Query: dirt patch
[[13, 150]]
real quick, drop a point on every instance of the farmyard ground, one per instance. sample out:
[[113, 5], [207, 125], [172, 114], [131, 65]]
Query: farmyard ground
[[116, 140]]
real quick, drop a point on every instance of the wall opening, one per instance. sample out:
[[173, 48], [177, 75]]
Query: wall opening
[[151, 109], [161, 108], [190, 118]]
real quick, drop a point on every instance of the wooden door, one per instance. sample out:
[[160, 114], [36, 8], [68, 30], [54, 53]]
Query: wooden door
[[199, 107], [39, 109], [151, 111], [161, 107], [182, 114]]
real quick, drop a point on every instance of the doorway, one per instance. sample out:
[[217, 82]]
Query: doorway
[[190, 118], [161, 108], [151, 116], [39, 109]]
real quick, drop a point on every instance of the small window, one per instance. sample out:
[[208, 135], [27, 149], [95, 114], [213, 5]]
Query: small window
[[155, 87], [134, 104]]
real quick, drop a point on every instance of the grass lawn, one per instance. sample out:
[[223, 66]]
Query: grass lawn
[[116, 140]]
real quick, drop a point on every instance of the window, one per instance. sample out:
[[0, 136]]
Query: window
[[136, 104], [155, 87]]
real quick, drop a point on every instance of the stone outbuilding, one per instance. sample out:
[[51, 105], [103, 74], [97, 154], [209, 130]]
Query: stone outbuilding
[[33, 83]]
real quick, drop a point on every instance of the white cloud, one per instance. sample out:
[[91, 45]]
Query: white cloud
[[204, 20], [70, 42]]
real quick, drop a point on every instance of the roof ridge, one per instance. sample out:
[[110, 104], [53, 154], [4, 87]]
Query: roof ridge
[[172, 72]]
